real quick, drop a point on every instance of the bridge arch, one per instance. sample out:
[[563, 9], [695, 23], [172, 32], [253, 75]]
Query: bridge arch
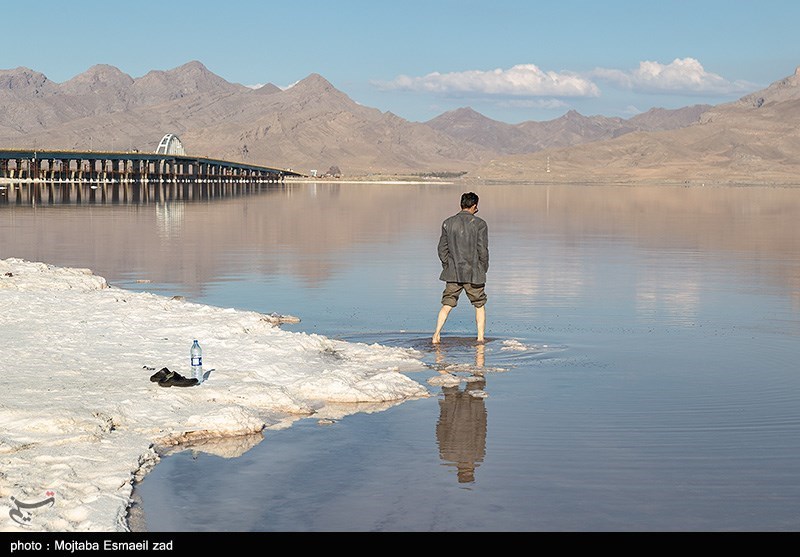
[[170, 145]]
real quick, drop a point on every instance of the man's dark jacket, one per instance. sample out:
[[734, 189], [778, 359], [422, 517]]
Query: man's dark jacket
[[464, 249]]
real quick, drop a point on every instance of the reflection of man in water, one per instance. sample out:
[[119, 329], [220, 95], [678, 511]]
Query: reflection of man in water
[[461, 429]]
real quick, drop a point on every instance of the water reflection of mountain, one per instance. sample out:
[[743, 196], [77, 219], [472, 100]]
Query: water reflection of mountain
[[310, 231]]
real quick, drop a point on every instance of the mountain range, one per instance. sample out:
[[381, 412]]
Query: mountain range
[[312, 125]]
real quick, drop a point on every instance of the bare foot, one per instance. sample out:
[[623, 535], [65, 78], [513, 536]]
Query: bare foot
[[480, 340], [435, 339]]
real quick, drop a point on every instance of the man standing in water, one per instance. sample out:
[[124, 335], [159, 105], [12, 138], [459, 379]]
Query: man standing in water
[[464, 252]]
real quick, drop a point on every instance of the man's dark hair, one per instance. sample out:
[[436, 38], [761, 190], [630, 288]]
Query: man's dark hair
[[469, 199]]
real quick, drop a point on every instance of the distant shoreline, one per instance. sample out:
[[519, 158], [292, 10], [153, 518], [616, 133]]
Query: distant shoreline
[[532, 182], [400, 181], [353, 180]]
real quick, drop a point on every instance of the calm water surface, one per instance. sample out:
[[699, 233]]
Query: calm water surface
[[641, 367]]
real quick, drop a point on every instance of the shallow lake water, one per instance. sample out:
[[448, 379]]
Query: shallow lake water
[[640, 368]]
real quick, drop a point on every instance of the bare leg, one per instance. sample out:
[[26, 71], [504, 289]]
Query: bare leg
[[443, 313], [480, 321]]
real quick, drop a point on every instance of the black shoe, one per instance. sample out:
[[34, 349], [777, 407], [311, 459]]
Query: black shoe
[[174, 379], [160, 374]]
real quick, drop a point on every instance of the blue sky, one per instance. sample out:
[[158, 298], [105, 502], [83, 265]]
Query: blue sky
[[513, 61]]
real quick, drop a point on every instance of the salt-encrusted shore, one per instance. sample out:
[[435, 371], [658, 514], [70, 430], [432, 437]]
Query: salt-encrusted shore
[[80, 420]]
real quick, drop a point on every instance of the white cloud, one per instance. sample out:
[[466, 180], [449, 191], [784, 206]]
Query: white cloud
[[282, 88], [686, 76], [631, 110], [523, 80]]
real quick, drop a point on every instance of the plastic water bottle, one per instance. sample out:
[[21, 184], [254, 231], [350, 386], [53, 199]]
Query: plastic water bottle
[[197, 361]]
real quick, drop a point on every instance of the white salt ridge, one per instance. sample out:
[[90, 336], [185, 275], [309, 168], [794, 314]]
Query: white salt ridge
[[514, 344], [79, 417]]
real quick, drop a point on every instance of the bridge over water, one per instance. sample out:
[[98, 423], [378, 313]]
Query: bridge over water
[[28, 165]]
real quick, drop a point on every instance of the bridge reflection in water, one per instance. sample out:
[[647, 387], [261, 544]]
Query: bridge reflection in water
[[76, 193]]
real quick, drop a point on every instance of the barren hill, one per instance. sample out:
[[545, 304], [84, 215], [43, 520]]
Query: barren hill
[[570, 129], [752, 140], [313, 125]]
